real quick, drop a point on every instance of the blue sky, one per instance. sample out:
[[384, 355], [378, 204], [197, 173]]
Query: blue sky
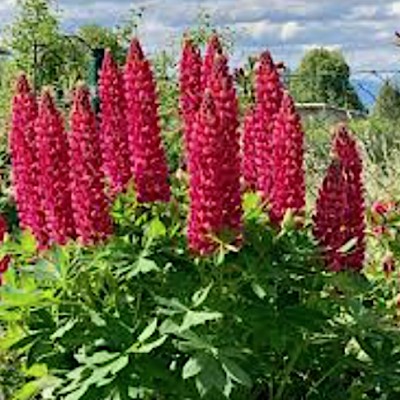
[[362, 29]]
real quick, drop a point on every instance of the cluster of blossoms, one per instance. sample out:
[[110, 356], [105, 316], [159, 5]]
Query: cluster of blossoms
[[213, 147], [65, 181], [339, 220], [61, 180]]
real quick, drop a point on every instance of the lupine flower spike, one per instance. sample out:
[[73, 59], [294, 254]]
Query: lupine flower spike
[[113, 129], [268, 100], [25, 169], [288, 191], [150, 168], [53, 163], [339, 221], [89, 203], [190, 86]]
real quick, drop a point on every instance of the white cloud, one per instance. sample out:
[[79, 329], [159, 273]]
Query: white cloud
[[290, 30], [362, 29]]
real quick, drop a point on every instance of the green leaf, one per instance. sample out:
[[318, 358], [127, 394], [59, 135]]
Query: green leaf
[[194, 318], [28, 391], [143, 266], [118, 364], [235, 372], [201, 295], [211, 376], [348, 245], [28, 242], [191, 368], [60, 332], [156, 228], [77, 394], [258, 290], [100, 357], [148, 331], [143, 348]]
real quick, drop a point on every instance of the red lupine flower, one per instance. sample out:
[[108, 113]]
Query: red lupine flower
[[249, 150], [4, 263], [213, 49], [288, 191], [345, 148], [205, 217], [329, 218], [190, 86], [339, 218], [89, 203], [113, 130], [223, 92], [388, 264], [381, 208], [53, 164], [24, 163], [268, 99], [150, 168]]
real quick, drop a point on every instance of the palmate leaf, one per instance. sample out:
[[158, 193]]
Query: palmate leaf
[[194, 318]]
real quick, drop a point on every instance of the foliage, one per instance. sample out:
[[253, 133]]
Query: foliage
[[141, 318], [35, 39], [387, 104], [323, 76]]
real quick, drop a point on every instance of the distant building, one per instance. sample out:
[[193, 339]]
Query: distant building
[[327, 113]]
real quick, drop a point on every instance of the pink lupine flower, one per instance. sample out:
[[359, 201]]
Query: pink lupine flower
[[213, 49], [150, 168], [190, 86], [288, 192], [113, 129], [249, 170], [388, 264], [205, 217], [339, 217], [53, 164], [25, 170], [221, 87], [268, 99], [345, 148], [89, 203]]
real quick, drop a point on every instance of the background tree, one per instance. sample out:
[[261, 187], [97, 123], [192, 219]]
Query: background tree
[[323, 76], [387, 105], [36, 41]]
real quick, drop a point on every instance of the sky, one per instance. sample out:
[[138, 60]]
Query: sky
[[362, 29]]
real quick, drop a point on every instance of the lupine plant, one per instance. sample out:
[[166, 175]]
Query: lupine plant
[[221, 286]]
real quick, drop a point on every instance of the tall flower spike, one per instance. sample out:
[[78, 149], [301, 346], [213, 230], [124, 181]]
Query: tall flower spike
[[150, 168], [249, 170], [190, 86], [213, 49], [288, 192], [205, 216], [89, 203], [345, 148], [24, 163], [113, 130], [53, 160], [339, 217], [226, 104], [268, 99]]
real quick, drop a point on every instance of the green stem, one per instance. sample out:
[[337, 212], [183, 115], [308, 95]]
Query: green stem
[[326, 375], [288, 370]]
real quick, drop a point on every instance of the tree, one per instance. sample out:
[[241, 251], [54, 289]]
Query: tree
[[323, 76], [36, 41], [387, 104]]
